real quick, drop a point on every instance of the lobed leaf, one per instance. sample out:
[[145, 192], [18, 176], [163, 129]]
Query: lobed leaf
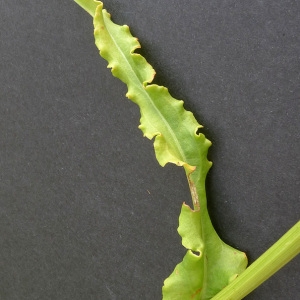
[[162, 116], [209, 264]]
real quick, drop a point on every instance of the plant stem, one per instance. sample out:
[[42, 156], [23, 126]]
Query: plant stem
[[88, 5], [284, 250]]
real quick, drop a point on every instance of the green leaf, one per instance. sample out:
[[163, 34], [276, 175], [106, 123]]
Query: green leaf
[[162, 116], [209, 264], [186, 282]]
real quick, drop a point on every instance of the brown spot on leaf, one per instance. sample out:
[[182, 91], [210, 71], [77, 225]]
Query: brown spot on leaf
[[196, 293], [194, 194]]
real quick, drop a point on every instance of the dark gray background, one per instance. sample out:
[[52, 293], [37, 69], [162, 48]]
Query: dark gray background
[[86, 211]]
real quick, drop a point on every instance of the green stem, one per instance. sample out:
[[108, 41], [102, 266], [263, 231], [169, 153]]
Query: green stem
[[284, 250], [88, 5]]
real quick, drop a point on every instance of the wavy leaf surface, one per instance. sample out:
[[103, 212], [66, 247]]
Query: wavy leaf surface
[[209, 264]]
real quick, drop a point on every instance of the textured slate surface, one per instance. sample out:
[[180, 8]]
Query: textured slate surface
[[85, 210]]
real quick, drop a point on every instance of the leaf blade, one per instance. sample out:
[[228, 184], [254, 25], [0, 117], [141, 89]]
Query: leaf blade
[[175, 141], [157, 106]]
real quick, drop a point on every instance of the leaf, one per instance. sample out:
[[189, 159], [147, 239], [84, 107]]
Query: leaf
[[209, 264], [162, 116]]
